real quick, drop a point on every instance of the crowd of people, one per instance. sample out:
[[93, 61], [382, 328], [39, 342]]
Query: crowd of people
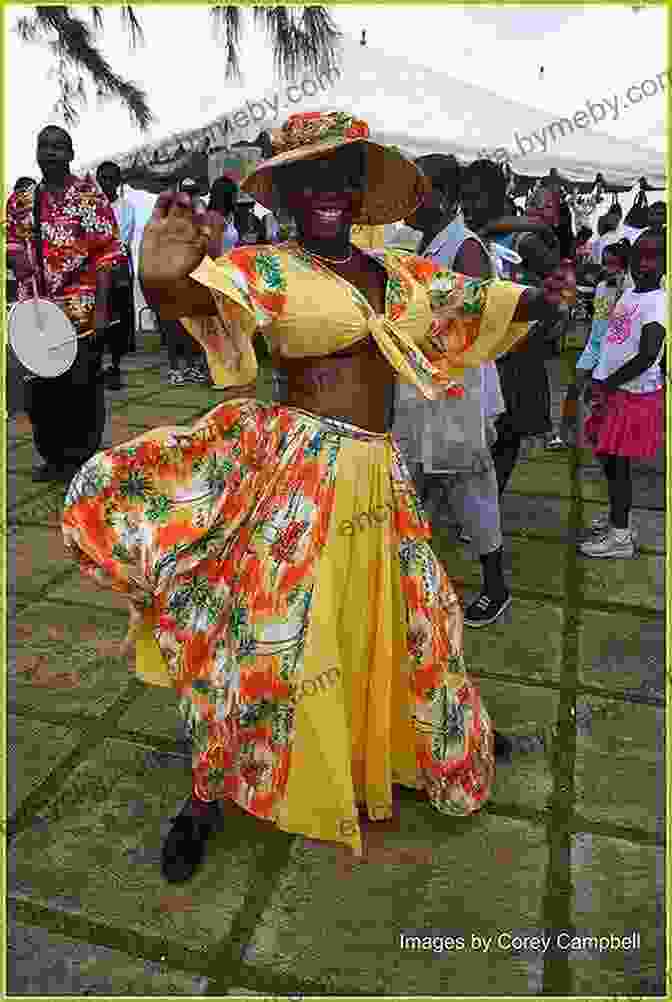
[[404, 381]]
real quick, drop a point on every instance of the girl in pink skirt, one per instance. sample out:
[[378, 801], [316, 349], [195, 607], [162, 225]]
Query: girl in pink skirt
[[627, 393]]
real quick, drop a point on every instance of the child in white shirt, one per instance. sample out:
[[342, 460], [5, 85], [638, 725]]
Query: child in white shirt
[[627, 393]]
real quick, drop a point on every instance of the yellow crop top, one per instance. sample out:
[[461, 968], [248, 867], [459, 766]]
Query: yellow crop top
[[436, 323]]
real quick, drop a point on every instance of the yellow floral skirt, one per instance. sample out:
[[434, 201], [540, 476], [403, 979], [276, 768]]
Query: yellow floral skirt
[[291, 598]]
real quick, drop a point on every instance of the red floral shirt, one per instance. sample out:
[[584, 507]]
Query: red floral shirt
[[80, 237]]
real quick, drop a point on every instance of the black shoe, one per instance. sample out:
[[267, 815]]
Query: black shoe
[[503, 747], [184, 848], [486, 610], [112, 378]]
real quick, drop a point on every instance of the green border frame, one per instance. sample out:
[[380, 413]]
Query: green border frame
[[5, 575]]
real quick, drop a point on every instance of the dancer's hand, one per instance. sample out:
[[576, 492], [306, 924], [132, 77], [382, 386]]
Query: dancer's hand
[[174, 243]]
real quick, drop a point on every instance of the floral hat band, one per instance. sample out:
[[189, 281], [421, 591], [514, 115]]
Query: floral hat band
[[317, 127], [393, 186]]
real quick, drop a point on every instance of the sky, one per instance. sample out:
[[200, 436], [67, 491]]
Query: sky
[[586, 53]]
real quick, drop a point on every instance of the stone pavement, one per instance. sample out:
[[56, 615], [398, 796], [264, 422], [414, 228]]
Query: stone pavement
[[572, 839]]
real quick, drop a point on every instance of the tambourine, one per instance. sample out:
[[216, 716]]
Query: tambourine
[[42, 337]]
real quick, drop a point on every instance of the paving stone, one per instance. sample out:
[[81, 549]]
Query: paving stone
[[530, 564], [22, 457], [527, 646], [535, 516], [618, 889], [45, 963], [639, 581], [20, 490], [648, 487], [484, 874], [66, 660], [44, 506], [118, 429], [81, 862], [36, 555], [156, 415], [81, 590], [529, 714], [35, 749], [154, 712], [551, 479], [622, 652], [620, 773], [193, 397]]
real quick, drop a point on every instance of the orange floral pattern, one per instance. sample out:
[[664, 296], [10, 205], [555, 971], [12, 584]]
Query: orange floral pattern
[[220, 533]]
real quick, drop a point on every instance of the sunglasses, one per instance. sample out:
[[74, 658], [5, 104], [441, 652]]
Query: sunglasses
[[332, 174]]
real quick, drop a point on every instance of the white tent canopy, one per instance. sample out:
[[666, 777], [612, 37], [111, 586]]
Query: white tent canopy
[[424, 111]]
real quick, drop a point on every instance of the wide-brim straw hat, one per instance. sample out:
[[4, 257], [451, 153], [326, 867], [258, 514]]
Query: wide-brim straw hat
[[394, 186]]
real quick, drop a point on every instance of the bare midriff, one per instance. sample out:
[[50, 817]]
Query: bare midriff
[[356, 385]]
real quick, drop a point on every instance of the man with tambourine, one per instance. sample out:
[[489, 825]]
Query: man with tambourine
[[62, 244]]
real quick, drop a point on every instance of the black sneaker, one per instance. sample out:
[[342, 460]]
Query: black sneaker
[[184, 848], [486, 610], [503, 747]]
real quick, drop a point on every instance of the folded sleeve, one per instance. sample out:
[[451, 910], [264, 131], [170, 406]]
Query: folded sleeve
[[248, 286], [472, 319]]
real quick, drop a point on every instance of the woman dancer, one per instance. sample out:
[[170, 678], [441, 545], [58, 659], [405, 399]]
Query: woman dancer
[[277, 552], [627, 392]]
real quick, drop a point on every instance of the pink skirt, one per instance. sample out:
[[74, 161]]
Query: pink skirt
[[626, 424]]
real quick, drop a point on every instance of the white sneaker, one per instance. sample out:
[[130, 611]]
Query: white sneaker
[[555, 442], [601, 525], [175, 377], [195, 375], [613, 544]]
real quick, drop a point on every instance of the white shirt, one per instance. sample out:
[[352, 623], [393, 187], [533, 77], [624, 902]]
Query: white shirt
[[631, 234], [124, 212], [602, 242], [620, 344]]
